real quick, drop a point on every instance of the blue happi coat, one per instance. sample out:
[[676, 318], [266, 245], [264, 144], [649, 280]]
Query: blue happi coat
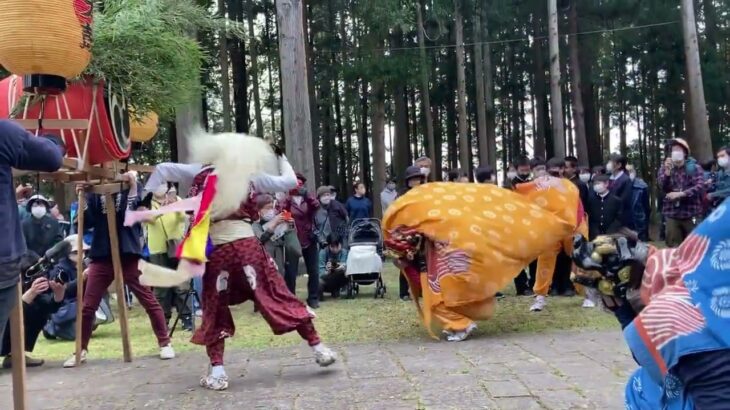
[[687, 295]]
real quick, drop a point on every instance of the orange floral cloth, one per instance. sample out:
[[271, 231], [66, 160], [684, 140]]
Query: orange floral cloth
[[479, 238]]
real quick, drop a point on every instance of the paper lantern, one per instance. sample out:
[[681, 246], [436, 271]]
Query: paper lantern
[[93, 104], [145, 129], [47, 41]]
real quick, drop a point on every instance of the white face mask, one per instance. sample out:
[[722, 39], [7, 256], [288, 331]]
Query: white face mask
[[425, 171], [390, 187], [585, 177], [723, 161], [38, 212], [600, 188], [540, 173], [511, 175], [609, 167], [632, 176], [325, 200], [280, 196], [268, 215], [677, 156]]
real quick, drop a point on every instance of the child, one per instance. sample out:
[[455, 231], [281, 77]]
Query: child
[[604, 209]]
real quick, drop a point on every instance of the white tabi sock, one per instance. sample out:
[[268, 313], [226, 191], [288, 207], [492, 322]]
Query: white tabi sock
[[217, 371], [319, 347]]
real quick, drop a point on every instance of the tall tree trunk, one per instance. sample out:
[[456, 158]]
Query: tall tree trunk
[[464, 150], [576, 89], [378, 121], [606, 124], [412, 155], [238, 67], [312, 89], [438, 139], [540, 93], [556, 100], [479, 82], [255, 74], [271, 100], [294, 86], [425, 90], [514, 110], [225, 81], [489, 92], [699, 136], [363, 145]]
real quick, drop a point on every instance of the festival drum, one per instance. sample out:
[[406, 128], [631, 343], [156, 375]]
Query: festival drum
[[100, 108]]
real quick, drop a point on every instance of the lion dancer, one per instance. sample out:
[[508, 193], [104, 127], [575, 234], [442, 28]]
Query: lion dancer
[[238, 269]]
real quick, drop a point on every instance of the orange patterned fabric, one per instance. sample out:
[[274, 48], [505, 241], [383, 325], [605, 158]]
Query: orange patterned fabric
[[479, 238]]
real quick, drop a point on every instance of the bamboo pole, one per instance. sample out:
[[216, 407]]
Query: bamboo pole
[[111, 218], [17, 350], [80, 273]]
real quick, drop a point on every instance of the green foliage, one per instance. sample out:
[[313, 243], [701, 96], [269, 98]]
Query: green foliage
[[147, 47]]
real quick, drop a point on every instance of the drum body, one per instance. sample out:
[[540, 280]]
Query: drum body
[[107, 136]]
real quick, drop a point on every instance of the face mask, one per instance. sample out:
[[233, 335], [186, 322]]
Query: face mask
[[511, 175], [677, 156], [268, 215], [425, 171], [723, 162], [280, 196], [541, 173], [555, 174], [524, 176], [38, 212], [609, 167], [325, 200], [632, 176], [600, 188], [585, 177], [390, 187]]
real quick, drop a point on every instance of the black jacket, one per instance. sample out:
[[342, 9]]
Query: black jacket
[[622, 187], [41, 234], [130, 237], [604, 214], [582, 188]]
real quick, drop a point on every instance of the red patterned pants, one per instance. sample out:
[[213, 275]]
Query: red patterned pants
[[240, 271]]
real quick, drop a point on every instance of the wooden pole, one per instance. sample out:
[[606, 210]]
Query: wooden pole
[[556, 99], [17, 350], [80, 273], [111, 218], [294, 87]]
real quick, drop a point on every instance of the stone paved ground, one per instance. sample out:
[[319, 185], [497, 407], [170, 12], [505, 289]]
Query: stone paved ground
[[564, 370]]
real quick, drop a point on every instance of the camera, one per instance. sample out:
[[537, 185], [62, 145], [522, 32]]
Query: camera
[[40, 267]]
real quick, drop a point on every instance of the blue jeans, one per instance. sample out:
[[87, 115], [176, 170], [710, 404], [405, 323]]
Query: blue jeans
[[198, 286]]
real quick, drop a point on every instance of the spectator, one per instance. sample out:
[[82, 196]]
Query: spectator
[[598, 170], [561, 283], [414, 177], [163, 235], [331, 218], [525, 281], [332, 267], [510, 175], [538, 168], [62, 323], [279, 238], [42, 297], [388, 195], [640, 204], [621, 187], [303, 206], [524, 170], [722, 179], [101, 269], [41, 230], [484, 175], [358, 205], [335, 192], [424, 165], [571, 173], [22, 194], [603, 208], [584, 174], [682, 182]]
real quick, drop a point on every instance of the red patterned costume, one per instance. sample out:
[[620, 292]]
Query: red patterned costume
[[279, 307]]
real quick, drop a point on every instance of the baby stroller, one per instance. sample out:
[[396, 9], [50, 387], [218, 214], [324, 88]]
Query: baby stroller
[[365, 257]]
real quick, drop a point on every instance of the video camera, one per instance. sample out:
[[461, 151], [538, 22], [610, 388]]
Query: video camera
[[43, 265]]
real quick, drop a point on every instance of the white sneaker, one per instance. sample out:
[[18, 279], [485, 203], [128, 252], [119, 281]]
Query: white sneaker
[[588, 304], [323, 355], [199, 313], [214, 383], [461, 335], [167, 352], [539, 304], [71, 361]]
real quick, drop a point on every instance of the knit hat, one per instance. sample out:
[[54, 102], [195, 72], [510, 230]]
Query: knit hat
[[325, 189]]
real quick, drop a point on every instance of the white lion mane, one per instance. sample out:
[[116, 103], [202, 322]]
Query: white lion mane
[[236, 158]]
